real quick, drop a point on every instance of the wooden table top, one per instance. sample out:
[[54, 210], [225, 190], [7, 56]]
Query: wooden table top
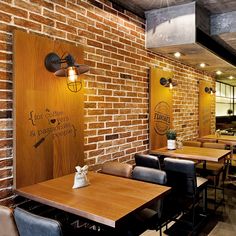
[[231, 139], [193, 153], [107, 200]]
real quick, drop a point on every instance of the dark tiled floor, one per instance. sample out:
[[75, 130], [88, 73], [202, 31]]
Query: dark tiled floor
[[219, 223]]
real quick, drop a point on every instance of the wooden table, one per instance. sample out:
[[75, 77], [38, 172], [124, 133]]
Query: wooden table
[[194, 153], [227, 139], [107, 200]]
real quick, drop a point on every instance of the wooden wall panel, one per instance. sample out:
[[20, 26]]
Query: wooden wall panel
[[160, 108], [48, 118], [205, 100]]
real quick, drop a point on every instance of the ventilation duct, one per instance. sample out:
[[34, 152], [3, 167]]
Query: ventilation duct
[[186, 29]]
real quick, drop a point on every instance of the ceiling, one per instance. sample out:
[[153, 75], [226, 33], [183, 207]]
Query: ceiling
[[140, 6], [222, 8]]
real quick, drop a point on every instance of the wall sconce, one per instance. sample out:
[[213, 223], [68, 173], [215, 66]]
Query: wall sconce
[[209, 90], [66, 67], [167, 82]]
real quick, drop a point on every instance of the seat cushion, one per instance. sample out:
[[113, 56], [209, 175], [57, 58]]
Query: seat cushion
[[148, 217], [214, 145], [211, 168], [201, 182]]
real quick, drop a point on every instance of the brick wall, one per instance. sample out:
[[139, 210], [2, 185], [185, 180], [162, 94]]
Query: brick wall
[[116, 98]]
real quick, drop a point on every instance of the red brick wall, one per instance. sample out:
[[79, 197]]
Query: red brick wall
[[116, 98]]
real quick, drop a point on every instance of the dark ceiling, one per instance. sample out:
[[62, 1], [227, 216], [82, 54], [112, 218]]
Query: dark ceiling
[[214, 7]]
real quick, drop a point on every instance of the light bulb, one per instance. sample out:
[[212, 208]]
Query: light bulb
[[202, 65], [171, 86], [72, 74], [177, 54]]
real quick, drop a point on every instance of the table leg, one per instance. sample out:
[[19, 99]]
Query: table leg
[[204, 165]]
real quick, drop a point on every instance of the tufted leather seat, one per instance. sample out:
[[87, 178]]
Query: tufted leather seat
[[7, 222]]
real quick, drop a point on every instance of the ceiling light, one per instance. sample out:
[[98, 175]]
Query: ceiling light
[[202, 65], [218, 72], [231, 77], [177, 54]]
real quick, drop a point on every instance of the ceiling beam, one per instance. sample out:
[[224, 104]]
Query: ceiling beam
[[223, 23]]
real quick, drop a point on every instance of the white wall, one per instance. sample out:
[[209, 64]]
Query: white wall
[[224, 99]]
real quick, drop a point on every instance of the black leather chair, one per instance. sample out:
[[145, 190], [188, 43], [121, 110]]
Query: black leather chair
[[186, 188], [147, 161], [29, 224], [149, 218]]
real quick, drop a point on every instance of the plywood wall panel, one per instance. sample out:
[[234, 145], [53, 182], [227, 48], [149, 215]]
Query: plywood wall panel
[[205, 101], [48, 118], [160, 108]]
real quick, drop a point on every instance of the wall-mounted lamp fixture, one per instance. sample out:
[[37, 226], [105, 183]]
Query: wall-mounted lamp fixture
[[209, 90], [66, 67], [167, 82]]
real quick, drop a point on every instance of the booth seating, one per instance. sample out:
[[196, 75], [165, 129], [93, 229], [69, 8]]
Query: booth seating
[[7, 222], [117, 168], [186, 190]]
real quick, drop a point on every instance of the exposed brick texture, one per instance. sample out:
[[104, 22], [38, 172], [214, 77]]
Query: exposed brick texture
[[116, 98]]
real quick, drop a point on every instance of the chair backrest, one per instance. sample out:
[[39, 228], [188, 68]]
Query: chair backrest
[[192, 143], [153, 176], [29, 224], [7, 222], [214, 145], [181, 176], [117, 168], [147, 161], [149, 175]]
